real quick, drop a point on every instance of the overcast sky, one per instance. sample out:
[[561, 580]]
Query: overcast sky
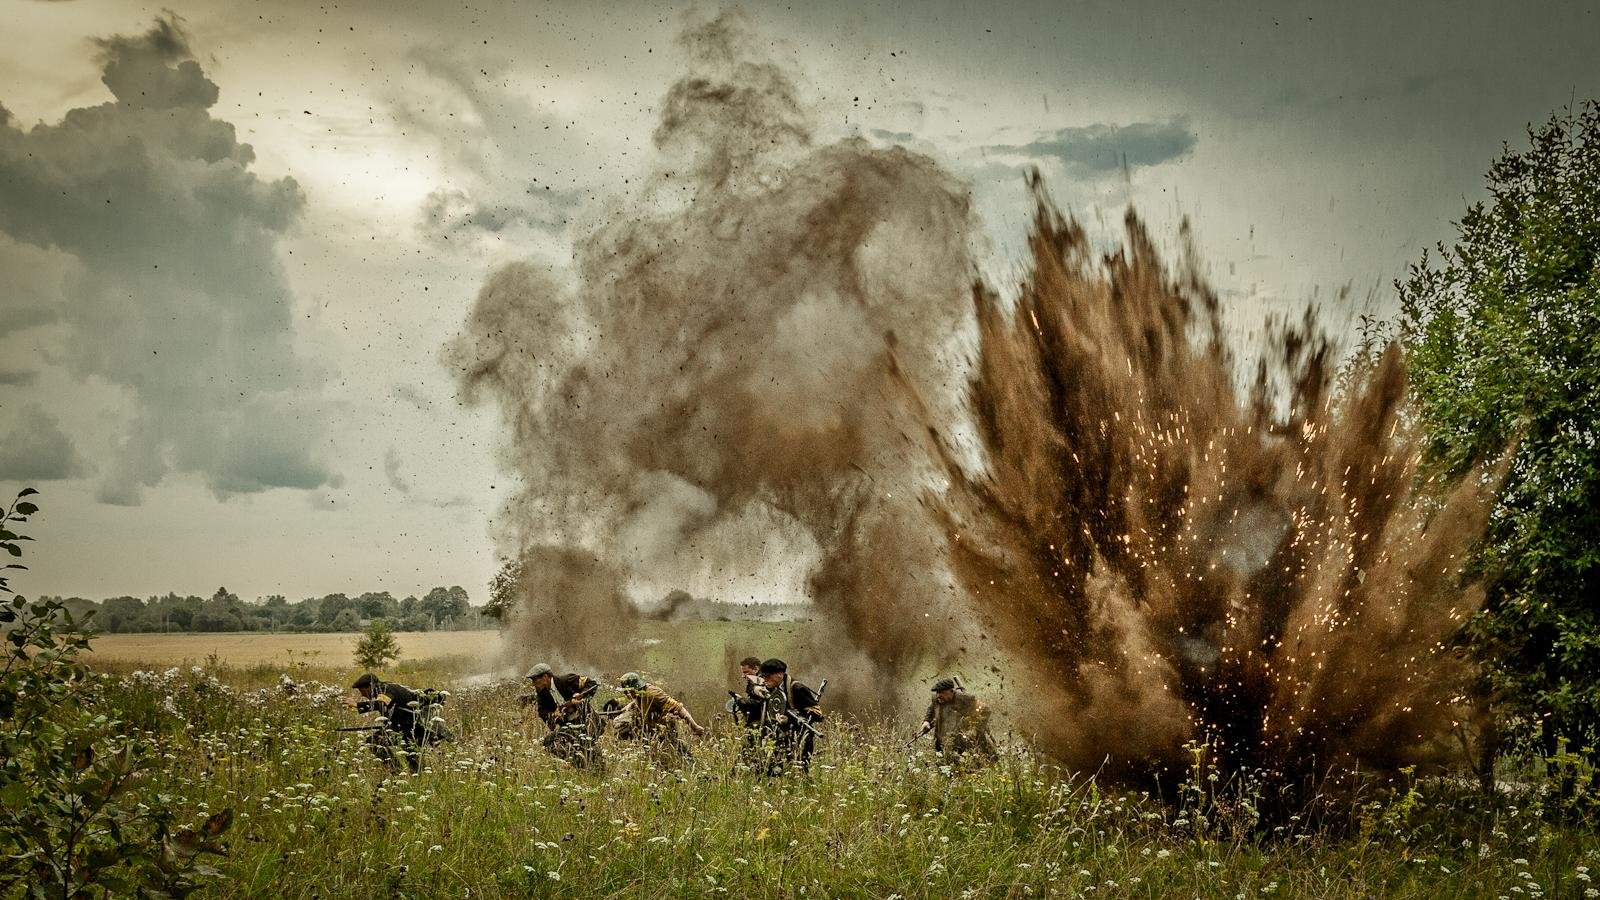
[[233, 239]]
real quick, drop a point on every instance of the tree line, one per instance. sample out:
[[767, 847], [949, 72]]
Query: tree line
[[443, 608]]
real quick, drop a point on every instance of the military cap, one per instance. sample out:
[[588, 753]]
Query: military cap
[[365, 681], [632, 681], [944, 684], [540, 669], [774, 665]]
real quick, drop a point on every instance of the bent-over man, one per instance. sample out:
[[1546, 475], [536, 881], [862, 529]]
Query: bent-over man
[[563, 704], [959, 722]]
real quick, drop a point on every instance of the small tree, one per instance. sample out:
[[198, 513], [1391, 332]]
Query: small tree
[[504, 590], [377, 646]]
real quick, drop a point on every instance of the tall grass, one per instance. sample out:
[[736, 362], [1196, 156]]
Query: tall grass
[[493, 816]]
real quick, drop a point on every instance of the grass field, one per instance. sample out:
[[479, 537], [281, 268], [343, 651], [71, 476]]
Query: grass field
[[244, 650], [493, 815]]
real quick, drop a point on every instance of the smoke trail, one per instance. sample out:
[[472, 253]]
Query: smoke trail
[[1175, 562], [717, 381]]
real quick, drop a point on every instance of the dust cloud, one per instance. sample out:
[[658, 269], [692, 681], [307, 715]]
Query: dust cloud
[[770, 352], [714, 382]]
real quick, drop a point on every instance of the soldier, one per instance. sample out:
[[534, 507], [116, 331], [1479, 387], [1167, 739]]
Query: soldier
[[788, 720], [651, 716], [748, 700], [563, 704], [959, 722], [410, 720]]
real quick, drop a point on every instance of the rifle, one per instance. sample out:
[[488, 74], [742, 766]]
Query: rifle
[[800, 719], [362, 728]]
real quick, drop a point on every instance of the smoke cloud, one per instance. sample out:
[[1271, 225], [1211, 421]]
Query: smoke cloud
[[177, 294], [767, 344], [715, 382]]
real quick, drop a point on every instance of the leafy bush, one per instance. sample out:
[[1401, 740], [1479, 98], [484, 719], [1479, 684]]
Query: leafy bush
[[74, 821], [1500, 337]]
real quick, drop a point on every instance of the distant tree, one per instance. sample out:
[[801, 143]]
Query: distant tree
[[1500, 333], [304, 614], [273, 611], [346, 620], [329, 608], [177, 612], [416, 622], [213, 621], [119, 614], [408, 606], [377, 605], [505, 589], [377, 646], [444, 605]]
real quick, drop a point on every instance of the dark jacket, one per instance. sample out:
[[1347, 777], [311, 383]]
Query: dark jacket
[[395, 702], [561, 690], [746, 707]]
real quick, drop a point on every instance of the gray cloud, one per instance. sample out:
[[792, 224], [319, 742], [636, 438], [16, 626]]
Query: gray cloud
[[1096, 150], [34, 448], [394, 473], [500, 145], [178, 295], [391, 471], [893, 137]]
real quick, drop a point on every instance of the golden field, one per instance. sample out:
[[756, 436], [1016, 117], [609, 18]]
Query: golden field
[[246, 649]]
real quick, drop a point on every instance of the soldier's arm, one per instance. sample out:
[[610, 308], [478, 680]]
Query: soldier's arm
[[682, 712]]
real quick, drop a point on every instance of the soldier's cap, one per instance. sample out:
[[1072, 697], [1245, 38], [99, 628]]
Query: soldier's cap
[[365, 681], [632, 681], [773, 666], [540, 669], [944, 684]]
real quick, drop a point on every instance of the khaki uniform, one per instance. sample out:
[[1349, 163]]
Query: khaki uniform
[[651, 717], [961, 726]]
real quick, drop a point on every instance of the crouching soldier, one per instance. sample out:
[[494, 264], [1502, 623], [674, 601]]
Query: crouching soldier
[[651, 717], [959, 722], [409, 720], [789, 719], [563, 705]]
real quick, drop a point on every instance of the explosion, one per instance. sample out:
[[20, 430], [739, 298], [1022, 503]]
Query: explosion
[[762, 359], [1172, 559]]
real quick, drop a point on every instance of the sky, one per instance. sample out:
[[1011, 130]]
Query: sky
[[235, 236]]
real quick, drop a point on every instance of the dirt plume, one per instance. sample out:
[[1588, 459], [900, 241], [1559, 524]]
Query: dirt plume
[[1175, 558]]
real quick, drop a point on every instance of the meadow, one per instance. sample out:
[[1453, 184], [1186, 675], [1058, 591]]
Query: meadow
[[276, 649], [492, 815]]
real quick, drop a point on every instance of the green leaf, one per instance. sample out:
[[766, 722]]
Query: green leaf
[[27, 492]]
